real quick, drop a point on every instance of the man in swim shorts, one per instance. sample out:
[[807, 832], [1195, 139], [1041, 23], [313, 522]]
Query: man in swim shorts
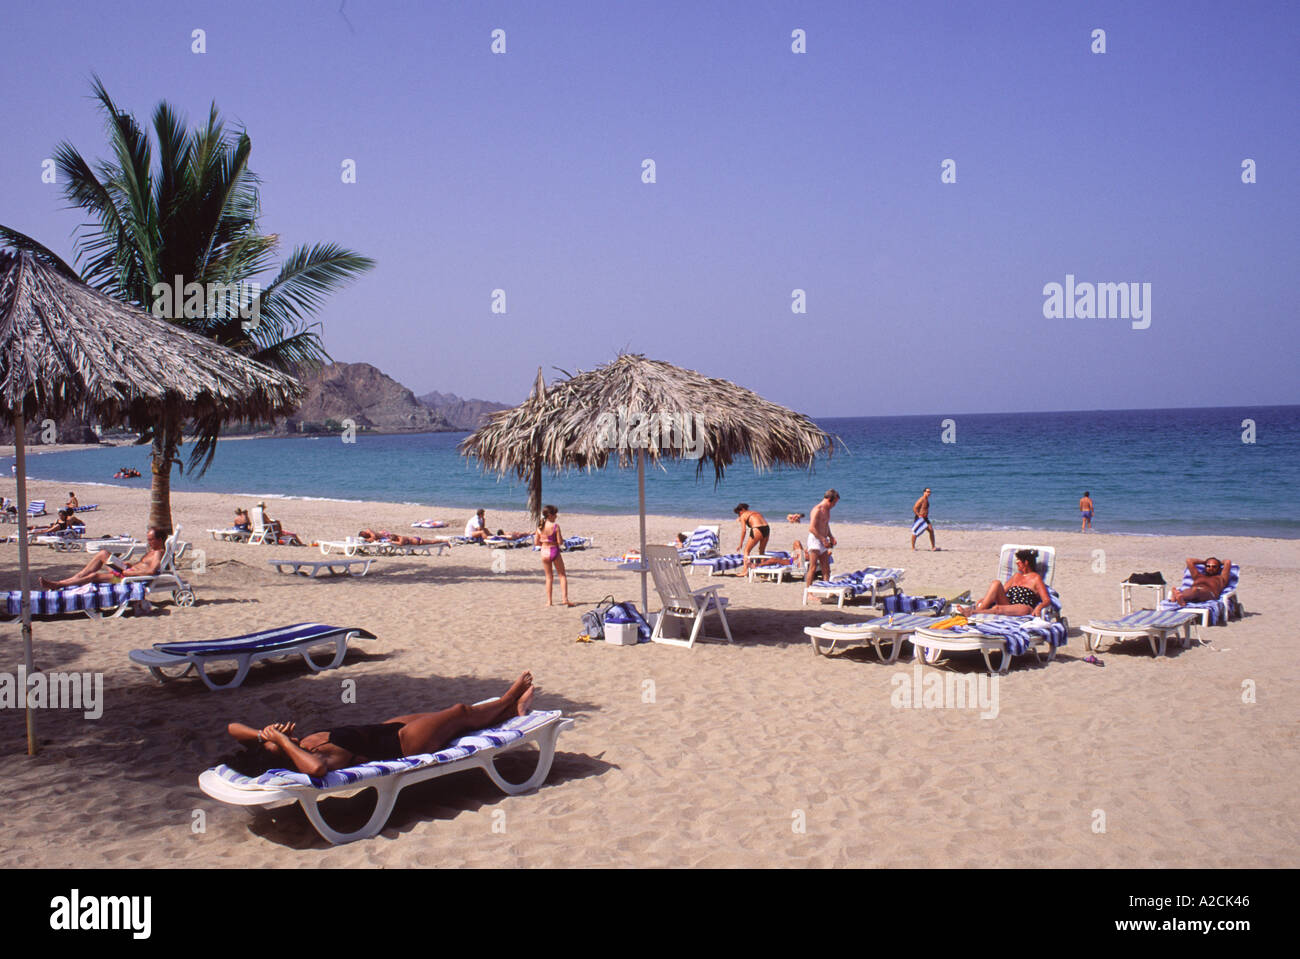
[[1085, 510], [105, 569], [1206, 585], [921, 517], [820, 539]]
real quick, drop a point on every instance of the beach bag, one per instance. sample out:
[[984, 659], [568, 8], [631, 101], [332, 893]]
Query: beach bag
[[626, 613], [593, 621]]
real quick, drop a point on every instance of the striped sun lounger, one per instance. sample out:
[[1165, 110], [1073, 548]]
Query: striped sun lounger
[[701, 544], [85, 509], [36, 507], [245, 650], [571, 543], [1213, 612], [1156, 626], [505, 542], [388, 777], [879, 632], [91, 599], [850, 586], [719, 564], [1008, 635]]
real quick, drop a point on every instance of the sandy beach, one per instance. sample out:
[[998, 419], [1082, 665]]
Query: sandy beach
[[706, 757]]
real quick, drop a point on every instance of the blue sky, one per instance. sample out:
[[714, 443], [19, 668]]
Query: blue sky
[[775, 171]]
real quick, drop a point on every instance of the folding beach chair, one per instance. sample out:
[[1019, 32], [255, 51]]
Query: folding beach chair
[[679, 601]]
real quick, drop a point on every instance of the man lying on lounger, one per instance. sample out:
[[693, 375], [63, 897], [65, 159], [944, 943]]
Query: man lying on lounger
[[104, 568], [398, 539], [277, 747], [1205, 586]]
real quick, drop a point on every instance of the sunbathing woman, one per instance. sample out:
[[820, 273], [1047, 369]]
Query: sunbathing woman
[[796, 558], [278, 747], [1024, 594]]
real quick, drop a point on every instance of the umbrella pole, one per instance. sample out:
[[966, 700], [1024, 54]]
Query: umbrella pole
[[24, 572], [640, 488]]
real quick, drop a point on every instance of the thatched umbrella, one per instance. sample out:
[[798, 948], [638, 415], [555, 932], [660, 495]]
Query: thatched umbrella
[[66, 348], [636, 408]]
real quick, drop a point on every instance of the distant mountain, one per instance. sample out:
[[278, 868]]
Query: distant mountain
[[461, 414], [365, 395]]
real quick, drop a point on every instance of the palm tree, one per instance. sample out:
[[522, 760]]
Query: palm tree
[[192, 215]]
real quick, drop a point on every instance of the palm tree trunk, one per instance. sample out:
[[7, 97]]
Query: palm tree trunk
[[165, 443]]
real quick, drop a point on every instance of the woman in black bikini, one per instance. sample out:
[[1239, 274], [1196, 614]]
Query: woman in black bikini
[[1024, 594], [753, 525], [275, 746]]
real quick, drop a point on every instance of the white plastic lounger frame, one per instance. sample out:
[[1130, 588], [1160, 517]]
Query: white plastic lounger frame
[[1155, 626], [387, 787], [856, 588], [336, 567], [889, 631], [232, 535], [930, 645], [680, 601], [158, 661]]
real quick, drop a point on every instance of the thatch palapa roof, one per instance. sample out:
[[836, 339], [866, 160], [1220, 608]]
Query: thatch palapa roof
[[637, 403], [66, 348]]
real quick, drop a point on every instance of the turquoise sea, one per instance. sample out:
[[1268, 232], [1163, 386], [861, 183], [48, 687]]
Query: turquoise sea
[[1149, 472]]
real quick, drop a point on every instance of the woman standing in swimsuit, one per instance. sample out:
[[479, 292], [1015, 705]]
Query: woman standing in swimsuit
[[549, 538], [1024, 594], [275, 746], [753, 525]]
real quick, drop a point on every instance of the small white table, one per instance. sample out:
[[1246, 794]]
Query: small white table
[[1126, 594]]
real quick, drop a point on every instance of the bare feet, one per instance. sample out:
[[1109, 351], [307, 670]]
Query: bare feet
[[964, 610], [525, 704], [47, 583]]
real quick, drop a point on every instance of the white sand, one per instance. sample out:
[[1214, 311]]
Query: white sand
[[740, 744]]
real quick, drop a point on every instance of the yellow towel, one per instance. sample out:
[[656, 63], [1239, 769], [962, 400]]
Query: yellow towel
[[950, 622]]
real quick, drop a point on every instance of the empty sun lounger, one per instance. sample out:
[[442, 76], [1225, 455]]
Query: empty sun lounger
[[36, 507], [883, 631], [718, 564], [245, 650], [850, 586], [388, 777], [85, 509], [1007, 635], [1156, 626], [314, 567], [680, 602]]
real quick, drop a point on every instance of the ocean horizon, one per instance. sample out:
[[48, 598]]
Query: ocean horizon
[[1216, 471]]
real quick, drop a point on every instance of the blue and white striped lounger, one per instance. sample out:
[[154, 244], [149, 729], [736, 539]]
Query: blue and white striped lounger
[[1008, 635], [1213, 612], [571, 543], [36, 507], [701, 544], [245, 650], [388, 777], [1154, 625], [719, 564], [92, 599], [505, 542], [85, 509], [850, 586]]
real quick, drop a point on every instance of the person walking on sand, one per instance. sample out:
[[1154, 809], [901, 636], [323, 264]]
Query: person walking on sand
[[820, 540], [1085, 510], [754, 527], [922, 524], [549, 538]]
